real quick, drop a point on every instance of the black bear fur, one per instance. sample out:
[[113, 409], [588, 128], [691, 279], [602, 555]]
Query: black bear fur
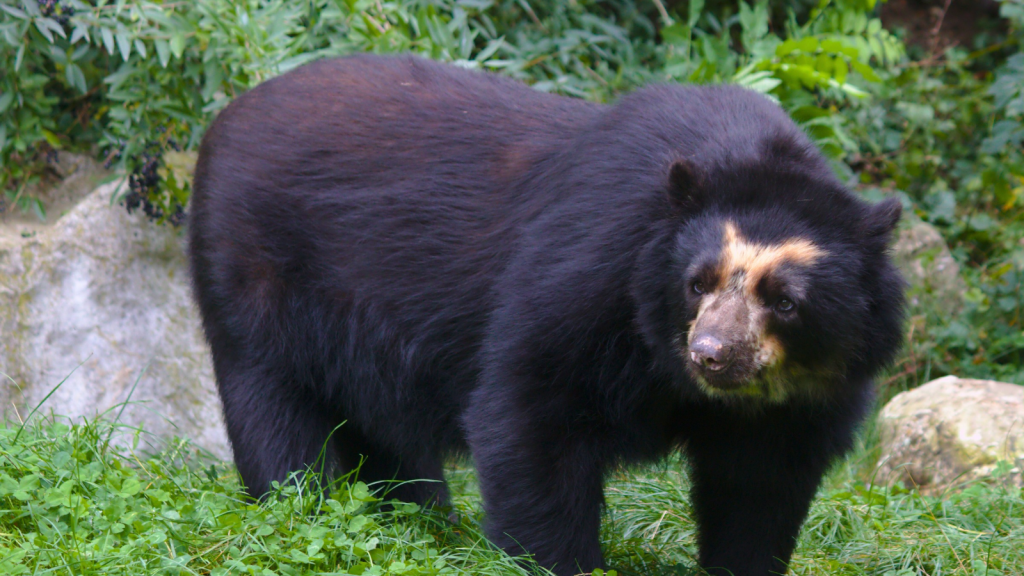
[[449, 262]]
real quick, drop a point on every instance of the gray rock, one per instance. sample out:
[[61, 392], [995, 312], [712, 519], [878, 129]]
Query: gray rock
[[951, 430], [929, 268], [102, 298]]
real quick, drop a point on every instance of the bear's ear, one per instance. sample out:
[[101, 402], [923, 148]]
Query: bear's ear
[[785, 147], [685, 186], [881, 220]]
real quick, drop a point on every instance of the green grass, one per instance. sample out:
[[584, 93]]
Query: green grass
[[73, 503]]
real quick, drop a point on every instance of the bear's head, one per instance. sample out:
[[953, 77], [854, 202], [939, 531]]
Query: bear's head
[[781, 281]]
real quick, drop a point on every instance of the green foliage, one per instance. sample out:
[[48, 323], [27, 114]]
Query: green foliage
[[73, 503], [809, 69], [1008, 88], [941, 134], [586, 48], [141, 79]]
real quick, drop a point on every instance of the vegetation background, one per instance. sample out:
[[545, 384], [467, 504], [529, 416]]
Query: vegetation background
[[915, 99]]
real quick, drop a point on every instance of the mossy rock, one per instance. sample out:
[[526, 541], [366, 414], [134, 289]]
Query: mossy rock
[[100, 300], [952, 430]]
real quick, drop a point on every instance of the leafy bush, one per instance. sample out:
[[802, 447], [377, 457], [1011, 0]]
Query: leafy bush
[[808, 69], [141, 79], [1008, 88], [940, 133]]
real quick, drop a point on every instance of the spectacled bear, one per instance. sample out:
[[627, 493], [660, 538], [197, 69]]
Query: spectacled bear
[[449, 261]]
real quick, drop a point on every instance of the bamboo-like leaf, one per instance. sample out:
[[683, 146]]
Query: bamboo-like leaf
[[81, 31], [694, 11], [76, 77], [19, 14], [177, 44], [124, 44], [840, 70], [44, 29], [163, 51], [108, 40]]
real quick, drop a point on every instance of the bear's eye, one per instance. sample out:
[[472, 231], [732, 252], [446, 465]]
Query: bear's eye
[[699, 288], [785, 305]]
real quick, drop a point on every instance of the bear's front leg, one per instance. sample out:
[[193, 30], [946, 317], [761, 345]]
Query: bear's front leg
[[754, 478], [540, 475]]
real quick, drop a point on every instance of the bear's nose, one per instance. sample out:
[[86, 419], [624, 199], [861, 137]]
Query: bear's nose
[[709, 352]]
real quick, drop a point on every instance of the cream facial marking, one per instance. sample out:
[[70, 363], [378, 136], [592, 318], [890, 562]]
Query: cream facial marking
[[729, 340], [748, 262]]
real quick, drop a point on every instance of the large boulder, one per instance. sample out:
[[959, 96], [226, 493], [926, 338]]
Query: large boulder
[[100, 300], [950, 430]]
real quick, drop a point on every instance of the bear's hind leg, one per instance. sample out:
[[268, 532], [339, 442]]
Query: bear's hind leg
[[275, 426]]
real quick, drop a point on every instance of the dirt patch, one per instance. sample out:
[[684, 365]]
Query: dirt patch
[[70, 179], [935, 25]]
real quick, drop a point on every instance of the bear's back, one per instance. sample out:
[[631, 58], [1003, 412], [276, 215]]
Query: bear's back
[[369, 197]]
